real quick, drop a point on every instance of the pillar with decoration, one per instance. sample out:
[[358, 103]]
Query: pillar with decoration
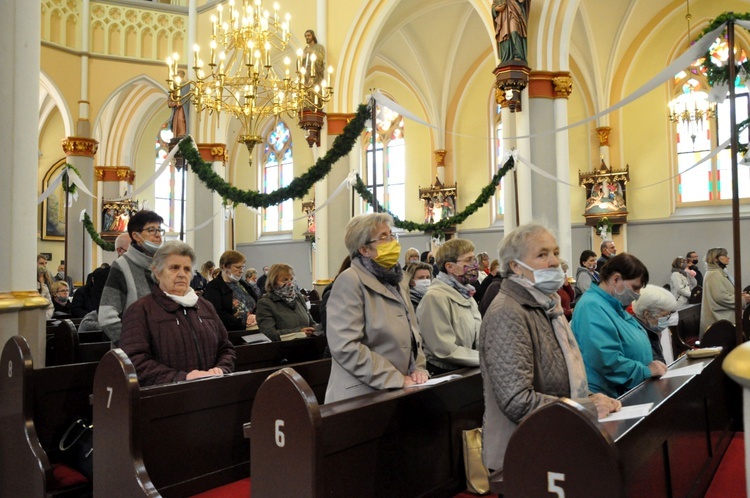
[[211, 240]]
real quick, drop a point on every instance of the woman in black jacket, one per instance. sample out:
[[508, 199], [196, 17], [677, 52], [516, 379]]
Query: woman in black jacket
[[233, 298]]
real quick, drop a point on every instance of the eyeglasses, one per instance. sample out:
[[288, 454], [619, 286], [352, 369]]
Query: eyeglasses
[[238, 267], [384, 238], [63, 291], [154, 231]]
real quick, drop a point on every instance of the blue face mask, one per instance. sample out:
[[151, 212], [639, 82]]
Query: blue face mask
[[663, 322]]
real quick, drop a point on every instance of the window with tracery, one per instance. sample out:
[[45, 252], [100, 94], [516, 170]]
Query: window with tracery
[[389, 174], [711, 181], [278, 171], [168, 186]]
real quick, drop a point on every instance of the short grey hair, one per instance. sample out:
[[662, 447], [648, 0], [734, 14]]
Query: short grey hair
[[360, 228], [515, 244], [713, 254], [654, 299], [173, 247]]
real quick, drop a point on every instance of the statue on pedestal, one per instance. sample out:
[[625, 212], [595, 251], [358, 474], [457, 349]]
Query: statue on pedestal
[[511, 18]]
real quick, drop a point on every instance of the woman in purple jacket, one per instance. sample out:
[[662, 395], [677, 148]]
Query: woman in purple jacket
[[173, 334]]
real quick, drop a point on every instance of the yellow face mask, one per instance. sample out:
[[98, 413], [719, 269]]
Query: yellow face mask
[[388, 254]]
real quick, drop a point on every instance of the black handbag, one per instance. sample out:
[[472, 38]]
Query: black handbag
[[77, 446]]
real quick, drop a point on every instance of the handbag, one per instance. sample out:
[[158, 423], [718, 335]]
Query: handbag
[[477, 476], [77, 446]]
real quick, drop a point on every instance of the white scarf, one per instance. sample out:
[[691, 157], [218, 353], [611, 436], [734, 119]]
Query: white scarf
[[188, 300]]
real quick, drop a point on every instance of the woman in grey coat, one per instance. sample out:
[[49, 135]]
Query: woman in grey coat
[[282, 309]]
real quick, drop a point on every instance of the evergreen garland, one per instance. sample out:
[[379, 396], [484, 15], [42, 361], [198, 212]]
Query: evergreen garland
[[718, 75], [439, 228], [106, 246], [71, 187], [297, 188]]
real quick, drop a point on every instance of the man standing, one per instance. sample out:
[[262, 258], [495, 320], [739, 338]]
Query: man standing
[[61, 275], [130, 275], [262, 281], [608, 252], [692, 261]]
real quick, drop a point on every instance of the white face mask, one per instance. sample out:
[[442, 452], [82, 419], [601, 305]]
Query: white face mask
[[233, 277], [547, 280], [422, 285], [151, 247], [627, 296]]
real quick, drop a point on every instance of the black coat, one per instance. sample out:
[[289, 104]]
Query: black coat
[[218, 293]]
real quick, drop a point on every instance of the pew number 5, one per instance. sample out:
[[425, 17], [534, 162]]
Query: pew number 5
[[279, 435], [552, 483]]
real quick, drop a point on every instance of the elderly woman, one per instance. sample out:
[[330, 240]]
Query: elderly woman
[[372, 331], [173, 334], [615, 348], [527, 352], [420, 278], [449, 318], [678, 281], [233, 298], [411, 256], [251, 277], [718, 290], [61, 297], [653, 309], [282, 309]]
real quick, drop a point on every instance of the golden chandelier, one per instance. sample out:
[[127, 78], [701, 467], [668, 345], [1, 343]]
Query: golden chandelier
[[240, 79]]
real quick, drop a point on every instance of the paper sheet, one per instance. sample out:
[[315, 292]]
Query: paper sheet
[[627, 412], [679, 372], [436, 381]]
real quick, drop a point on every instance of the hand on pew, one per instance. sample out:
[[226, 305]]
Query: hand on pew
[[657, 368], [604, 404], [418, 377], [197, 374]]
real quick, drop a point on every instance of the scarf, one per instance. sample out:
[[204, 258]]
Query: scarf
[[189, 300], [287, 293], [579, 386], [466, 291], [391, 276]]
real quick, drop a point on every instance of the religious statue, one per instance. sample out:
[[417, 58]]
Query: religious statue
[[510, 28], [178, 120], [314, 58]]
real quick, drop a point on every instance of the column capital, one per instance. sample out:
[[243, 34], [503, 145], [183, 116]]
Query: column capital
[[337, 121], [213, 152], [80, 146], [550, 85], [603, 133], [440, 157], [114, 174]]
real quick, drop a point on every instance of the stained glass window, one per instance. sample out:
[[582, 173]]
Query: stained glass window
[[278, 171], [390, 171]]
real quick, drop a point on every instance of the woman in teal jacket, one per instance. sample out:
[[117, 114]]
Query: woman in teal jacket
[[615, 348]]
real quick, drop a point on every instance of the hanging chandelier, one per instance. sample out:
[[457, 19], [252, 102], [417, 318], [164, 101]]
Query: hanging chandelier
[[240, 79]]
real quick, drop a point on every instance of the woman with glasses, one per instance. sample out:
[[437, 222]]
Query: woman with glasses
[[61, 297], [653, 309], [233, 298], [615, 349], [282, 309], [448, 315], [372, 330]]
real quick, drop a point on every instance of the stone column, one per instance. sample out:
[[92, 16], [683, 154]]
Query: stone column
[[210, 241], [78, 249], [21, 306], [563, 86]]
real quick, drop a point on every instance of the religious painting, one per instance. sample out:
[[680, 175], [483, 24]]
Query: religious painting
[[115, 217], [53, 207], [605, 194], [439, 201]]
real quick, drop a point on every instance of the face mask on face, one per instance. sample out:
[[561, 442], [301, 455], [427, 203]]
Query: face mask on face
[[547, 280], [431, 260], [388, 254], [151, 247], [663, 322], [414, 260], [471, 274], [626, 296], [60, 275], [421, 285], [232, 276]]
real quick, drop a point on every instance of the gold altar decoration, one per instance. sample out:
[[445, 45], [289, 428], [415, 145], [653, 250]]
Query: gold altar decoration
[[605, 195]]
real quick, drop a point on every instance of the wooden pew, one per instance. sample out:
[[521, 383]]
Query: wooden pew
[[405, 442], [685, 333], [272, 354], [67, 346], [36, 408], [175, 439], [672, 452]]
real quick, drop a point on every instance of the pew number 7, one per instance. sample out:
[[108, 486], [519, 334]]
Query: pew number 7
[[552, 483], [280, 439]]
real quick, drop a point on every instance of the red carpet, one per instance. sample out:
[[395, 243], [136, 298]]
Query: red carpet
[[729, 481], [237, 489]]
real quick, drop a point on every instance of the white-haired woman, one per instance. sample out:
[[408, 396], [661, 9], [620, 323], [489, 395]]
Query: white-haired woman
[[527, 352], [371, 328], [653, 309], [173, 334]]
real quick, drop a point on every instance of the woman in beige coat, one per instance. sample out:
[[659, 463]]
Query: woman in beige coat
[[372, 331]]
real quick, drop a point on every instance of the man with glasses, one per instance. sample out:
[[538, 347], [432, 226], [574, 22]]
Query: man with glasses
[[130, 275]]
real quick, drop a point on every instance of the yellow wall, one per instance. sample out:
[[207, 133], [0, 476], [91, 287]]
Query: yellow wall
[[50, 146]]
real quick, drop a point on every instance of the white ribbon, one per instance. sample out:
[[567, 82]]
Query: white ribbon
[[73, 178], [167, 160], [539, 171], [76, 180], [205, 223], [348, 182], [82, 218]]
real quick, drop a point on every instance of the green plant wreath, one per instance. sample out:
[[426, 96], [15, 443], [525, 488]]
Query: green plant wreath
[[297, 189], [439, 228], [604, 222], [106, 246], [718, 75], [71, 187]]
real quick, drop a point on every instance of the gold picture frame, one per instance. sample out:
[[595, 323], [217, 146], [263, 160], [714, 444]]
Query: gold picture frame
[[53, 207]]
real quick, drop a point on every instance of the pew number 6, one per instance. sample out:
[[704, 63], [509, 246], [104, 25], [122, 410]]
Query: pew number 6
[[552, 483], [279, 435]]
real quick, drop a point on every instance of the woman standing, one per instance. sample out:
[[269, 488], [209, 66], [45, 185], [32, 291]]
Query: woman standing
[[232, 297], [173, 334], [372, 331], [527, 352], [678, 281], [615, 348], [718, 290], [282, 309]]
